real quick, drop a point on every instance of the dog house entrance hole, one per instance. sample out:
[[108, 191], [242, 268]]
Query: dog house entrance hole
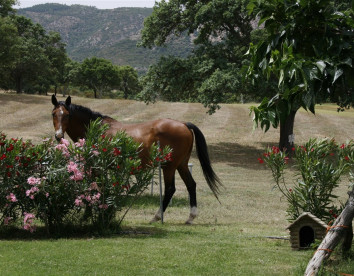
[[307, 236]]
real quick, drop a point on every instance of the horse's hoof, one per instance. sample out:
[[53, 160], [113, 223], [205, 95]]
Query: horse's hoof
[[155, 219], [189, 222]]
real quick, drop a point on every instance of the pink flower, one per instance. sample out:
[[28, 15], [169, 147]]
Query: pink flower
[[77, 176], [27, 222], [72, 167], [95, 198], [7, 220], [33, 181], [11, 197], [64, 149], [94, 186], [30, 193], [64, 142], [78, 202], [103, 206], [80, 143], [95, 152]]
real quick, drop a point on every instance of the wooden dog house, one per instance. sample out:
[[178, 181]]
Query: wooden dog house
[[305, 230]]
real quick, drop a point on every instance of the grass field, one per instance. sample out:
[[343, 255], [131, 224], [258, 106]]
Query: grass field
[[231, 238]]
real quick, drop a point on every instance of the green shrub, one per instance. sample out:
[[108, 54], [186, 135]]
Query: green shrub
[[95, 179], [319, 166]]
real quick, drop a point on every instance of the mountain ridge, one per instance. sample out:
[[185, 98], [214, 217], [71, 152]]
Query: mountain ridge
[[110, 33]]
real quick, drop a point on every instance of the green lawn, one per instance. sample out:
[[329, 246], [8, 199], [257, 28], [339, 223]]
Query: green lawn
[[231, 238]]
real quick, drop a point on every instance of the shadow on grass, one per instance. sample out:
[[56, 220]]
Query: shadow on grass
[[148, 200], [86, 231], [81, 233], [237, 155]]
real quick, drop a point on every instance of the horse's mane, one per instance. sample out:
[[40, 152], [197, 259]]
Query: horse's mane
[[93, 115]]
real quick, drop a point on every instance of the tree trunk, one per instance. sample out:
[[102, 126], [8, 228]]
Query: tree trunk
[[348, 239], [286, 141], [341, 227], [18, 85]]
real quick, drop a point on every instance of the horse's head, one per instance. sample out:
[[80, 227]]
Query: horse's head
[[61, 116]]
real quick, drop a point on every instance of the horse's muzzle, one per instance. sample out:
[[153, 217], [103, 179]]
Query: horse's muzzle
[[58, 137]]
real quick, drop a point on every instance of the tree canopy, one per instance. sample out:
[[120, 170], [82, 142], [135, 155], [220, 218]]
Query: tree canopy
[[99, 75], [221, 31], [308, 52], [6, 7], [33, 60]]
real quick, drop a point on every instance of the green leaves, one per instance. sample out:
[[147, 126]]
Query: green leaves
[[319, 166], [93, 179], [321, 65], [100, 75], [305, 52]]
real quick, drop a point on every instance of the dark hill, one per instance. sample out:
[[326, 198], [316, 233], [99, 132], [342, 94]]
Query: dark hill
[[111, 34]]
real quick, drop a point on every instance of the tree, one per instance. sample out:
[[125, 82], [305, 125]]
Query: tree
[[130, 82], [69, 74], [56, 52], [7, 39], [171, 79], [31, 59], [221, 29], [99, 75], [6, 7], [7, 51], [308, 52]]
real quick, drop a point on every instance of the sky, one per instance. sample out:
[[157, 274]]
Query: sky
[[100, 4]]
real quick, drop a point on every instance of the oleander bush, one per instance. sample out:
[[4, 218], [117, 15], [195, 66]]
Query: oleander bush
[[94, 180], [320, 165]]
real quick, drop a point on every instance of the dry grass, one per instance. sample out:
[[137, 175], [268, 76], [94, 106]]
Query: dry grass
[[250, 208]]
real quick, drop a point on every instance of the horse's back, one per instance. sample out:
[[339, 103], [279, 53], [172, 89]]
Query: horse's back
[[167, 132]]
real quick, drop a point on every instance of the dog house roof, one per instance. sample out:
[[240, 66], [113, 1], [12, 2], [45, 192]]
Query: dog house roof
[[304, 216]]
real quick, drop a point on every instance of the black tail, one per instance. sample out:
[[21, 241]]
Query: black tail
[[202, 151]]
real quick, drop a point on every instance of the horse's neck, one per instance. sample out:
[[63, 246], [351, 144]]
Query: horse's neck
[[77, 127]]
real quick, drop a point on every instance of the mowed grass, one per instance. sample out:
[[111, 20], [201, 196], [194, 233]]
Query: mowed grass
[[231, 238]]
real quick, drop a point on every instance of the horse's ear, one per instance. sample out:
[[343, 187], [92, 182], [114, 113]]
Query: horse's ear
[[68, 101], [54, 100]]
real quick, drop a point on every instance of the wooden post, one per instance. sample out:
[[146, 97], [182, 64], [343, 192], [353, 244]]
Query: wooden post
[[335, 233], [160, 181]]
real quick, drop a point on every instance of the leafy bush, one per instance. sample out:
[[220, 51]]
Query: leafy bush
[[91, 180], [320, 165]]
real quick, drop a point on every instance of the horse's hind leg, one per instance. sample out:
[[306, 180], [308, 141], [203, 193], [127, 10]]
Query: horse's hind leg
[[191, 187], [170, 188]]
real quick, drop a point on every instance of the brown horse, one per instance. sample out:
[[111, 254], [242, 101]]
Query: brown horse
[[74, 120]]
